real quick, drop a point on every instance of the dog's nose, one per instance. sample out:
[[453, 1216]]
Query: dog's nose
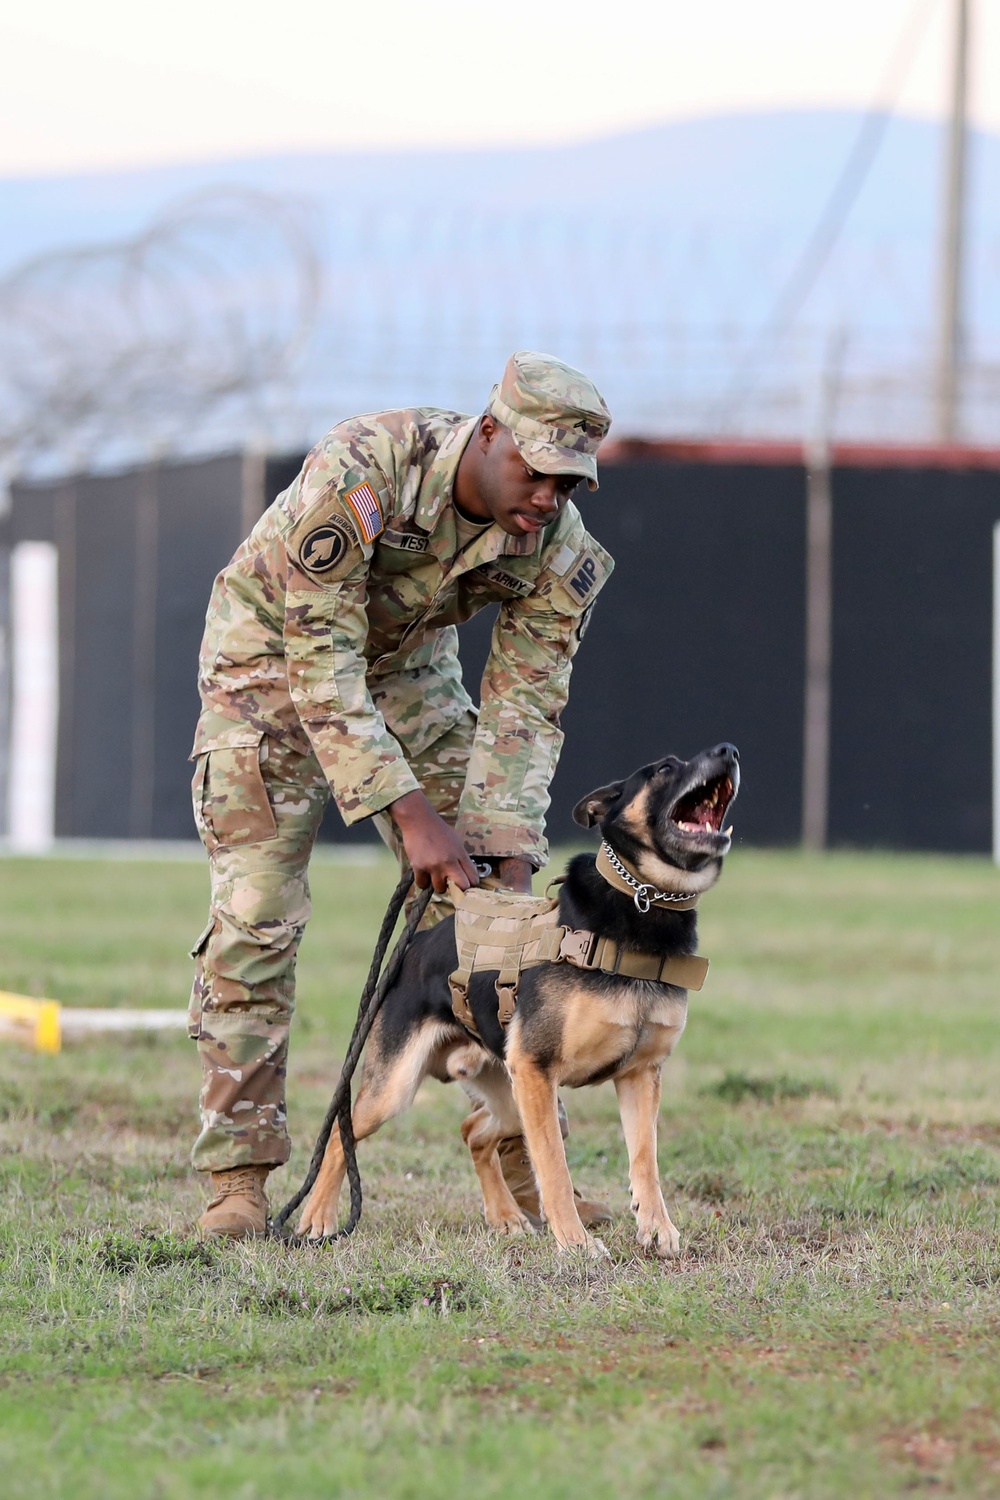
[[726, 751]]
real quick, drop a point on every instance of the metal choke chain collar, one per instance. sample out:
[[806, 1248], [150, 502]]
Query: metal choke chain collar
[[644, 895]]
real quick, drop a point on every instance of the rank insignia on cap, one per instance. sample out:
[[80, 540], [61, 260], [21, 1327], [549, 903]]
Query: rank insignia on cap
[[324, 546], [364, 506]]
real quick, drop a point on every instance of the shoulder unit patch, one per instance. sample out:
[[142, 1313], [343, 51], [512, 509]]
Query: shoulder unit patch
[[324, 547]]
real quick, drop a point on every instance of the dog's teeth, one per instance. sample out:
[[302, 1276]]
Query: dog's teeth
[[729, 831]]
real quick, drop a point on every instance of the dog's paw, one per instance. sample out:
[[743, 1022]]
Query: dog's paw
[[513, 1222], [316, 1221], [590, 1247], [597, 1249], [660, 1239]]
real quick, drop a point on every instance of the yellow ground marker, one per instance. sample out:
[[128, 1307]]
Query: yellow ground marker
[[41, 1018], [46, 1023]]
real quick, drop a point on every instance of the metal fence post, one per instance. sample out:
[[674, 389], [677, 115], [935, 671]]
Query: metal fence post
[[996, 692], [819, 605]]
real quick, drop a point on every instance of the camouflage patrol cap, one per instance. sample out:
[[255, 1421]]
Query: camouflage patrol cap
[[556, 416]]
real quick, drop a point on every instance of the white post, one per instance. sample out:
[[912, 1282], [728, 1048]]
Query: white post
[[996, 692], [949, 395], [34, 614], [5, 508]]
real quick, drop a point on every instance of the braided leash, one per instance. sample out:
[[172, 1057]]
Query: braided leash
[[339, 1112]]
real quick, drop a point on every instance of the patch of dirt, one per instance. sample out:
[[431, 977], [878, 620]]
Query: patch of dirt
[[985, 1131], [934, 1448], [930, 1452], [778, 1357]]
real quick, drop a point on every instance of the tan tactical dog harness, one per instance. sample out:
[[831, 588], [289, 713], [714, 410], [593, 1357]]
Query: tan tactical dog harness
[[505, 932]]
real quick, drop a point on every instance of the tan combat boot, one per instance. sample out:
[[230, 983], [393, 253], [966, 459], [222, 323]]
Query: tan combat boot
[[519, 1177], [239, 1209]]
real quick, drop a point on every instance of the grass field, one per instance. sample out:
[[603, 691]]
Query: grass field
[[830, 1145]]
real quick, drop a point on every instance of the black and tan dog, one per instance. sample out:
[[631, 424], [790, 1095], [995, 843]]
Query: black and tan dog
[[663, 846]]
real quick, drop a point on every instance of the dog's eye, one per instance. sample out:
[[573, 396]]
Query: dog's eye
[[670, 764]]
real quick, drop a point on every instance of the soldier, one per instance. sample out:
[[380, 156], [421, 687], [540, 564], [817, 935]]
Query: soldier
[[329, 663]]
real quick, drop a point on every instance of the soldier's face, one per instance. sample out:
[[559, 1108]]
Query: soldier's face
[[517, 498]]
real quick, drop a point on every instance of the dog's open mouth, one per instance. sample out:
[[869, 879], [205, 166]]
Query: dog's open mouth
[[704, 807]]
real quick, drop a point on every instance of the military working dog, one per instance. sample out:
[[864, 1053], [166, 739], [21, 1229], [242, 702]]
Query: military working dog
[[663, 843]]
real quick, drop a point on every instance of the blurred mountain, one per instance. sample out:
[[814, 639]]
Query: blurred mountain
[[653, 258], [739, 170]]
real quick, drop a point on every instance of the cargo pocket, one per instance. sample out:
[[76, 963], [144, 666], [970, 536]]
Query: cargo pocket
[[202, 942], [231, 804], [195, 1003], [198, 798]]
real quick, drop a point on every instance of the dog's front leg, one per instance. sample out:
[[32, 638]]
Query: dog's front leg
[[639, 1103], [538, 1105], [318, 1215]]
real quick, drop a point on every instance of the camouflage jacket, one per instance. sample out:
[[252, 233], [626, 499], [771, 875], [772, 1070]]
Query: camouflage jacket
[[335, 624]]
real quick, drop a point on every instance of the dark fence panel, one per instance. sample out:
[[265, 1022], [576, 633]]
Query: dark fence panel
[[911, 684], [33, 513], [279, 471], [97, 646], [200, 527], [699, 636]]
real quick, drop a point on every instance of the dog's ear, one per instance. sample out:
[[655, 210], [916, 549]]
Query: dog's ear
[[596, 805]]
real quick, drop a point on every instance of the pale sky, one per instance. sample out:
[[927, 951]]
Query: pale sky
[[88, 84]]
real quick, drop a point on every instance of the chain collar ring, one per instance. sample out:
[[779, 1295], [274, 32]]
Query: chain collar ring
[[643, 895]]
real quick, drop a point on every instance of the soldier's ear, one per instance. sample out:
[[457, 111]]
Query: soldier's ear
[[596, 805]]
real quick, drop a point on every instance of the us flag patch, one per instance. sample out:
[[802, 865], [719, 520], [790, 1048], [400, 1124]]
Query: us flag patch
[[367, 511]]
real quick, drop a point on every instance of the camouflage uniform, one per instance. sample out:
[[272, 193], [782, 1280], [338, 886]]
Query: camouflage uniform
[[330, 661]]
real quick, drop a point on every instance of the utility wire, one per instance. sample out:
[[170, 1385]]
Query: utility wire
[[836, 210]]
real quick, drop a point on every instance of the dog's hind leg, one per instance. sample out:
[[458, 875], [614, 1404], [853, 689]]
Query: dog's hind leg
[[387, 1089], [639, 1102], [535, 1093], [482, 1133], [494, 1118]]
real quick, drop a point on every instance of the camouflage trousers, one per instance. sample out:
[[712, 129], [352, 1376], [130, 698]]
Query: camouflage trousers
[[258, 809]]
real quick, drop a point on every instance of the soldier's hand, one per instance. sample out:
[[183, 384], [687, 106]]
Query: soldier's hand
[[435, 851]]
